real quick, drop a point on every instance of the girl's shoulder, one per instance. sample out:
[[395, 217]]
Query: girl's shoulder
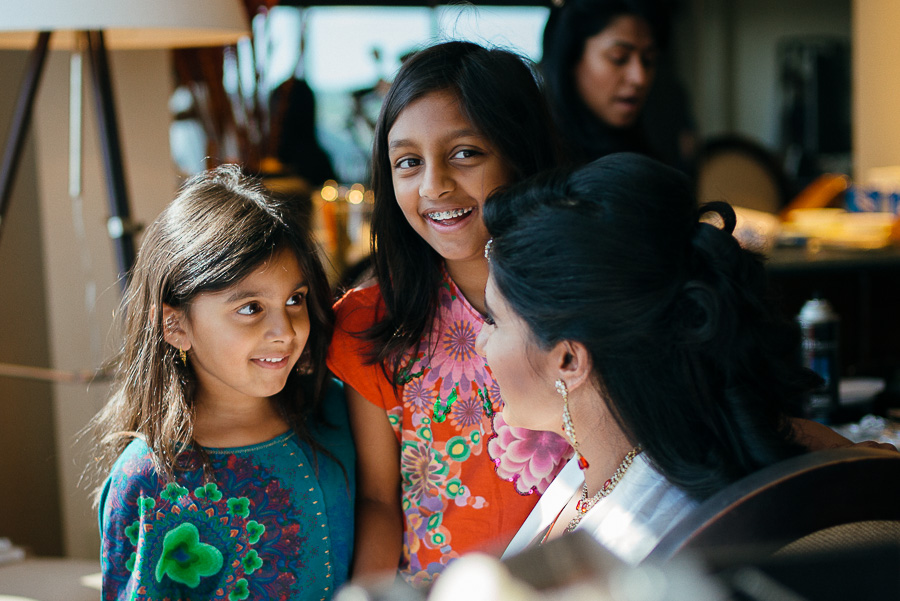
[[334, 433], [133, 476], [355, 312], [136, 457], [334, 404], [334, 416], [365, 296]]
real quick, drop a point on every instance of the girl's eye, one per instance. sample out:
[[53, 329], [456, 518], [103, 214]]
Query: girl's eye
[[250, 309], [488, 320], [407, 163], [466, 153], [296, 299]]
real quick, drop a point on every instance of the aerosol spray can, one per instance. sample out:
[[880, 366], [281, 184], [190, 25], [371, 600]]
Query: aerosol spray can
[[819, 324]]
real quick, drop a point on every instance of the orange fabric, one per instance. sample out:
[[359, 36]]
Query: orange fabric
[[453, 498], [355, 312]]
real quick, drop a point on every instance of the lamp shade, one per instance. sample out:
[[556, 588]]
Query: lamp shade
[[127, 24]]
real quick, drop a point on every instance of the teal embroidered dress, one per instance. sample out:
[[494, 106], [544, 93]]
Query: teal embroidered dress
[[275, 522]]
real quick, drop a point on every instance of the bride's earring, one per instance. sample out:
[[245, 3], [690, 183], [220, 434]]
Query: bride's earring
[[568, 427]]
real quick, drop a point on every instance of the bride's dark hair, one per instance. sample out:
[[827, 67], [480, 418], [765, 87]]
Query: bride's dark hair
[[693, 359]]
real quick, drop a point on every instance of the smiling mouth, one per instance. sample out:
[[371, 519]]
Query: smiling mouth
[[447, 215], [272, 362]]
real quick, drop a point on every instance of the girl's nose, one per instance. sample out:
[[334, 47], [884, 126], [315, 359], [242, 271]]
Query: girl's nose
[[279, 326], [436, 182]]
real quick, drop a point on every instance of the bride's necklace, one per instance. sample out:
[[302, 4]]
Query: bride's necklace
[[585, 504]]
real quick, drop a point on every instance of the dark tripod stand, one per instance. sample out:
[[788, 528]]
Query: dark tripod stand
[[120, 227]]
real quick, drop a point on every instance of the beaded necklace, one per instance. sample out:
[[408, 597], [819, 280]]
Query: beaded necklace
[[585, 504]]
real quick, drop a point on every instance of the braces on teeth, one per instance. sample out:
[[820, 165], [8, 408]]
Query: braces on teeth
[[449, 214]]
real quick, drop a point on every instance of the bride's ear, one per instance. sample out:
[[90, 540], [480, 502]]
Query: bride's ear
[[174, 331], [572, 363]]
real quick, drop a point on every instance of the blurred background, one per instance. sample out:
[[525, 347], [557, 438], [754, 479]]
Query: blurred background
[[809, 83]]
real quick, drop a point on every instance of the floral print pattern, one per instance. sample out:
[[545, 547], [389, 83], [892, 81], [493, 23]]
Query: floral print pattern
[[185, 559], [467, 412], [455, 361], [268, 522], [181, 536], [525, 457], [449, 413], [421, 468], [419, 396]]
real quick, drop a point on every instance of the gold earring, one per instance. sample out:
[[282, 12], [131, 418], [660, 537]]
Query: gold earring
[[182, 354], [568, 426]]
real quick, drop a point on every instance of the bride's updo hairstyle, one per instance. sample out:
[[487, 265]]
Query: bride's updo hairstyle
[[693, 359]]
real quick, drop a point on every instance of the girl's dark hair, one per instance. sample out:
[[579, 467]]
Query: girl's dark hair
[[219, 229], [567, 30], [499, 94], [691, 356]]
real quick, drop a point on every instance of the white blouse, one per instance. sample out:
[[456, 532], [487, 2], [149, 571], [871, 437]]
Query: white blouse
[[629, 522]]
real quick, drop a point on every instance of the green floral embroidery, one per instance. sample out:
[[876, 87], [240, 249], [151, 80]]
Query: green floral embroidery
[[208, 491], [241, 591], [239, 507], [404, 376], [435, 520], [146, 504], [252, 562], [133, 531], [440, 411], [486, 403], [129, 565], [173, 492], [254, 531], [185, 559]]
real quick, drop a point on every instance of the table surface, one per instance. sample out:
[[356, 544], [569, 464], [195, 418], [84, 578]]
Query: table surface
[[50, 579], [799, 259]]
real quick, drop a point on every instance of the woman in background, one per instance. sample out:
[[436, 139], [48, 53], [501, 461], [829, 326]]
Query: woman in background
[[600, 61]]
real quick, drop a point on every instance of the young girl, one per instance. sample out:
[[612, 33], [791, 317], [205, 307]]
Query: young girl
[[235, 466], [440, 471]]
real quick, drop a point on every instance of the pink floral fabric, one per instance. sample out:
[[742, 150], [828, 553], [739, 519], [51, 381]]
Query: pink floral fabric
[[529, 459]]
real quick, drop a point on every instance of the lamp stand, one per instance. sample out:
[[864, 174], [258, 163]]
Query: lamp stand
[[121, 228]]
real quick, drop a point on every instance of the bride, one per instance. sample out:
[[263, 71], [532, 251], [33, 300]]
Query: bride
[[646, 336]]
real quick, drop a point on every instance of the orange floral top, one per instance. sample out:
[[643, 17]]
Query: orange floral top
[[468, 479]]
